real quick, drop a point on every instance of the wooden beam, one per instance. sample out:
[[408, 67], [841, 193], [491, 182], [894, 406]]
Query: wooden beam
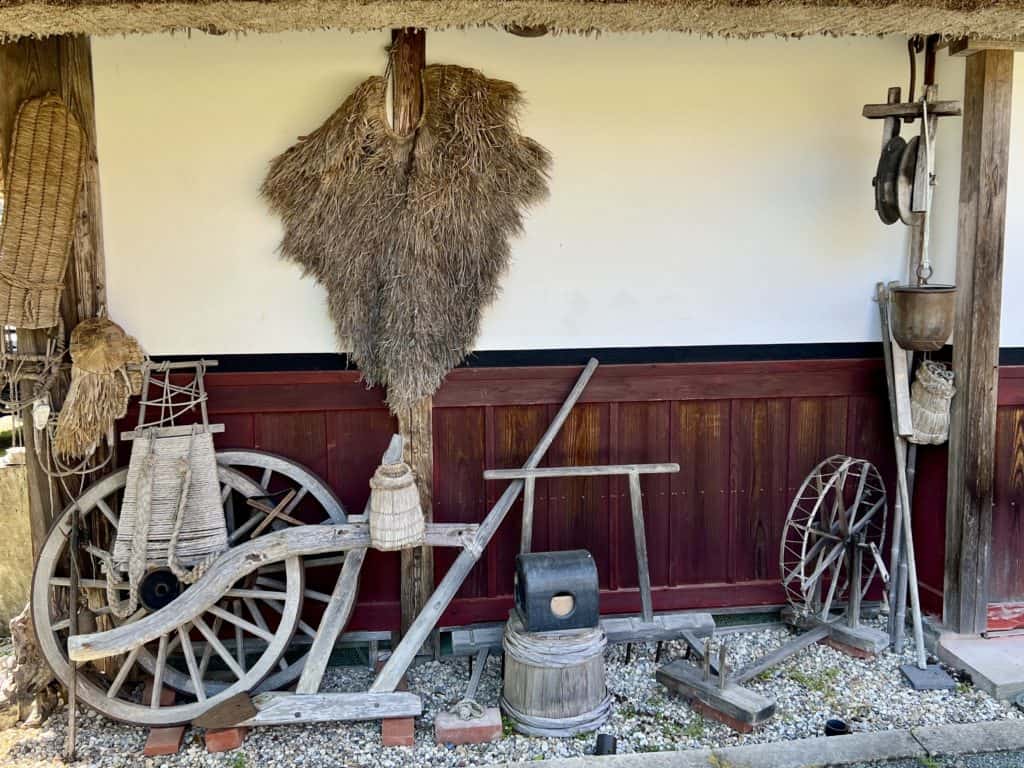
[[415, 424], [968, 46], [982, 223]]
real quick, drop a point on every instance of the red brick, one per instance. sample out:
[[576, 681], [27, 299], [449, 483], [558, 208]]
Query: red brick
[[225, 739], [451, 729], [398, 732], [706, 711], [849, 650], [166, 694], [164, 741]]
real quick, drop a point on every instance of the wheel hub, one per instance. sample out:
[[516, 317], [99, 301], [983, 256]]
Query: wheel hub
[[159, 588]]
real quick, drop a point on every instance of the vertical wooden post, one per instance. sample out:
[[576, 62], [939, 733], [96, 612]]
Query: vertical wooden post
[[982, 220], [31, 68], [409, 53]]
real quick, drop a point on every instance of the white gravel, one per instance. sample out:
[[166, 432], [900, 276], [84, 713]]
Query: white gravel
[[816, 684]]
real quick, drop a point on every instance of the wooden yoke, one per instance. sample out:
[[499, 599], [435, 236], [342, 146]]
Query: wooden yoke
[[415, 423]]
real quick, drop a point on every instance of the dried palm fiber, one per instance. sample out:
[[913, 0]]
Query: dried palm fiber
[[396, 517], [930, 398], [44, 175], [410, 235], [101, 384]]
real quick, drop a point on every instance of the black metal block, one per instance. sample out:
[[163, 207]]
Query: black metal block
[[557, 590]]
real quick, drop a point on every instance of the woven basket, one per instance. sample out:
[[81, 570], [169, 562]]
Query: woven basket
[[930, 398], [45, 168], [396, 517]]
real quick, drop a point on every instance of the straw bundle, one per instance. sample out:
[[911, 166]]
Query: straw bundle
[[396, 517], [410, 235], [45, 167], [100, 385], [930, 398]]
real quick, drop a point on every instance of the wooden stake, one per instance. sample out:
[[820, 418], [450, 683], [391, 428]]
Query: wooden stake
[[982, 224], [415, 424]]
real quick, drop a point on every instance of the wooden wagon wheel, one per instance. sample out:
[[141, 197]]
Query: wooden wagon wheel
[[837, 518], [195, 649], [314, 503]]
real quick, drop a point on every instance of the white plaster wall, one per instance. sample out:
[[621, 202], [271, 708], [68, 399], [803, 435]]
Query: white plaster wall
[[704, 191]]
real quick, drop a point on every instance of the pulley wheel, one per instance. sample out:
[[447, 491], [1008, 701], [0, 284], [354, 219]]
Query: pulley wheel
[[885, 180], [905, 183]]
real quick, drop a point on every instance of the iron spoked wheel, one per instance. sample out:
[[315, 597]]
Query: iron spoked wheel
[[839, 512], [227, 649], [314, 503]]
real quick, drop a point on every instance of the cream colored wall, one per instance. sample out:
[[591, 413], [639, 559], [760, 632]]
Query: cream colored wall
[[704, 191]]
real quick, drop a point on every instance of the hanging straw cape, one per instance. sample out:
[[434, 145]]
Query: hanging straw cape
[[100, 385]]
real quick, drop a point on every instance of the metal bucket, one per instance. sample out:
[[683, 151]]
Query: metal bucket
[[922, 316]]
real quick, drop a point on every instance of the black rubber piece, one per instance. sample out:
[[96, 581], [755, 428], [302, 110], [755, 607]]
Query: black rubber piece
[[541, 576]]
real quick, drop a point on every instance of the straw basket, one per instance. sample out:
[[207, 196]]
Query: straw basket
[[930, 399], [45, 168], [396, 517]]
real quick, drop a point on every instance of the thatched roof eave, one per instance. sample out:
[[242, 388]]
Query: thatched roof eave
[[987, 19]]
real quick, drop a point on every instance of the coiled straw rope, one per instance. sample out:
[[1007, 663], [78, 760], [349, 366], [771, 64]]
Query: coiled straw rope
[[930, 399]]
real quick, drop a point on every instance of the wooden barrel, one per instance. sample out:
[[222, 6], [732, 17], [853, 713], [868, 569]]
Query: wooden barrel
[[554, 681]]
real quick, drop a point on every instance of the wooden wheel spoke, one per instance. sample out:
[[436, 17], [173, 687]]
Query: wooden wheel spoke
[[213, 641], [107, 512], [65, 581], [256, 594], [240, 623], [257, 616], [122, 673], [304, 628], [190, 661], [158, 673], [204, 661]]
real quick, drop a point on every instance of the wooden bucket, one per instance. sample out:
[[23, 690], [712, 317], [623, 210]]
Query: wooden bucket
[[554, 681]]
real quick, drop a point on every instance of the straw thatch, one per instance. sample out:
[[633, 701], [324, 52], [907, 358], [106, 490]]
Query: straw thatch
[[990, 19], [410, 235]]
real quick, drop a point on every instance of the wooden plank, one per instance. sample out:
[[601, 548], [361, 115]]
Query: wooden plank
[[988, 86], [784, 651], [738, 703], [912, 109], [591, 471], [965, 46], [636, 505], [336, 616], [701, 526], [281, 708], [1007, 565], [760, 438]]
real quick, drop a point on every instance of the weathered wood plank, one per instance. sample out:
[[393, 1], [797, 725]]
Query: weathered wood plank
[[606, 469], [281, 708], [981, 228], [738, 703]]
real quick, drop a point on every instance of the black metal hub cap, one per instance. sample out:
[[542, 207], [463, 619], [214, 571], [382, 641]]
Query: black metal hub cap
[[158, 588]]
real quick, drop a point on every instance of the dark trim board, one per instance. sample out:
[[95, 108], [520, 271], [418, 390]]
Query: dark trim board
[[512, 358]]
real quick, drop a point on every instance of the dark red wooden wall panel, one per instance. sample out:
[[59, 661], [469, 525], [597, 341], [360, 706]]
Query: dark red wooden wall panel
[[745, 435]]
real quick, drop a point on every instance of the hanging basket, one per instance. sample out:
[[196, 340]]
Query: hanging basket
[[396, 517], [922, 316], [930, 398]]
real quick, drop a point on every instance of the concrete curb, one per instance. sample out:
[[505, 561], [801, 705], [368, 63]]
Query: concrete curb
[[972, 738]]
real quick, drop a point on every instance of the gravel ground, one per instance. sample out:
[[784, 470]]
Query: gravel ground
[[992, 760], [816, 684]]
